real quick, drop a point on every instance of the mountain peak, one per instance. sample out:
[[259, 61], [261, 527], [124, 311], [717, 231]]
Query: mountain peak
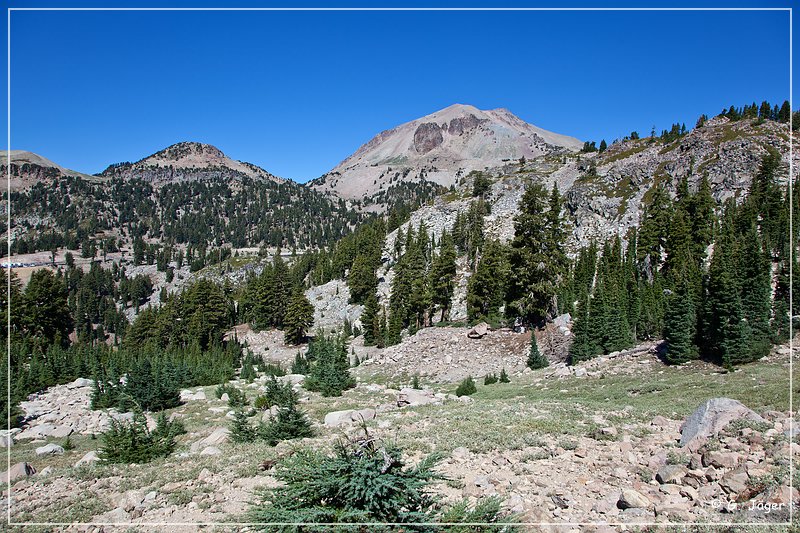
[[439, 147], [188, 151], [188, 158]]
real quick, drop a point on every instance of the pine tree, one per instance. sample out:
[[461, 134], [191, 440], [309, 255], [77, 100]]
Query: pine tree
[[679, 327], [241, 430], [370, 321], [487, 286], [330, 372], [603, 146], [361, 280], [443, 273], [536, 263], [299, 318], [726, 334], [582, 347], [754, 269], [289, 423], [535, 358]]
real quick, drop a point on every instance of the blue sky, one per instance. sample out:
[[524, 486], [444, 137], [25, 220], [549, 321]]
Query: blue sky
[[297, 92]]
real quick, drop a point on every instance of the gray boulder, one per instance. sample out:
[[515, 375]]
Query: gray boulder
[[412, 397], [88, 459], [50, 449], [710, 418], [479, 331], [217, 437], [338, 418], [17, 471]]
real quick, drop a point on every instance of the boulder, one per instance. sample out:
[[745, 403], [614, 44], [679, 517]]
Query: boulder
[[413, 397], [217, 437], [479, 331], [562, 320], [710, 418], [670, 474], [338, 418], [734, 482], [88, 459], [50, 449], [16, 472], [292, 379], [80, 382], [211, 450], [720, 459], [6, 438], [631, 499]]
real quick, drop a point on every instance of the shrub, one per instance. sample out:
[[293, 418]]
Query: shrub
[[330, 374], [132, 442], [241, 430], [276, 393], [271, 369], [301, 365], [236, 398], [415, 382], [504, 377], [466, 387], [490, 379], [535, 358], [289, 423], [363, 480]]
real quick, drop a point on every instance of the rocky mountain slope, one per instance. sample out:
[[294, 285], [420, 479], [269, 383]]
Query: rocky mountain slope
[[188, 193], [440, 148], [28, 169], [188, 160]]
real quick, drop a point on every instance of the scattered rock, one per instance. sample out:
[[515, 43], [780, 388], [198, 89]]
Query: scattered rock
[[734, 482], [412, 397], [211, 450], [217, 437]]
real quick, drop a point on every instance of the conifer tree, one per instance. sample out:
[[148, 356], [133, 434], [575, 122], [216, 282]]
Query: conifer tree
[[535, 358], [370, 321], [241, 430], [679, 326], [299, 318], [486, 287], [535, 257], [582, 347], [443, 273], [330, 372], [361, 280], [726, 334]]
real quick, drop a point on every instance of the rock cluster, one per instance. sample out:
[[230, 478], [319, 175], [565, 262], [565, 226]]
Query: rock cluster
[[62, 410]]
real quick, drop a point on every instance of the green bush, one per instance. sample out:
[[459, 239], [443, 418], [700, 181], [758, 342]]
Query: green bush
[[289, 423], [329, 374], [466, 387], [276, 393], [363, 480], [241, 430], [271, 369], [301, 365], [132, 442], [490, 379], [415, 382], [504, 377]]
